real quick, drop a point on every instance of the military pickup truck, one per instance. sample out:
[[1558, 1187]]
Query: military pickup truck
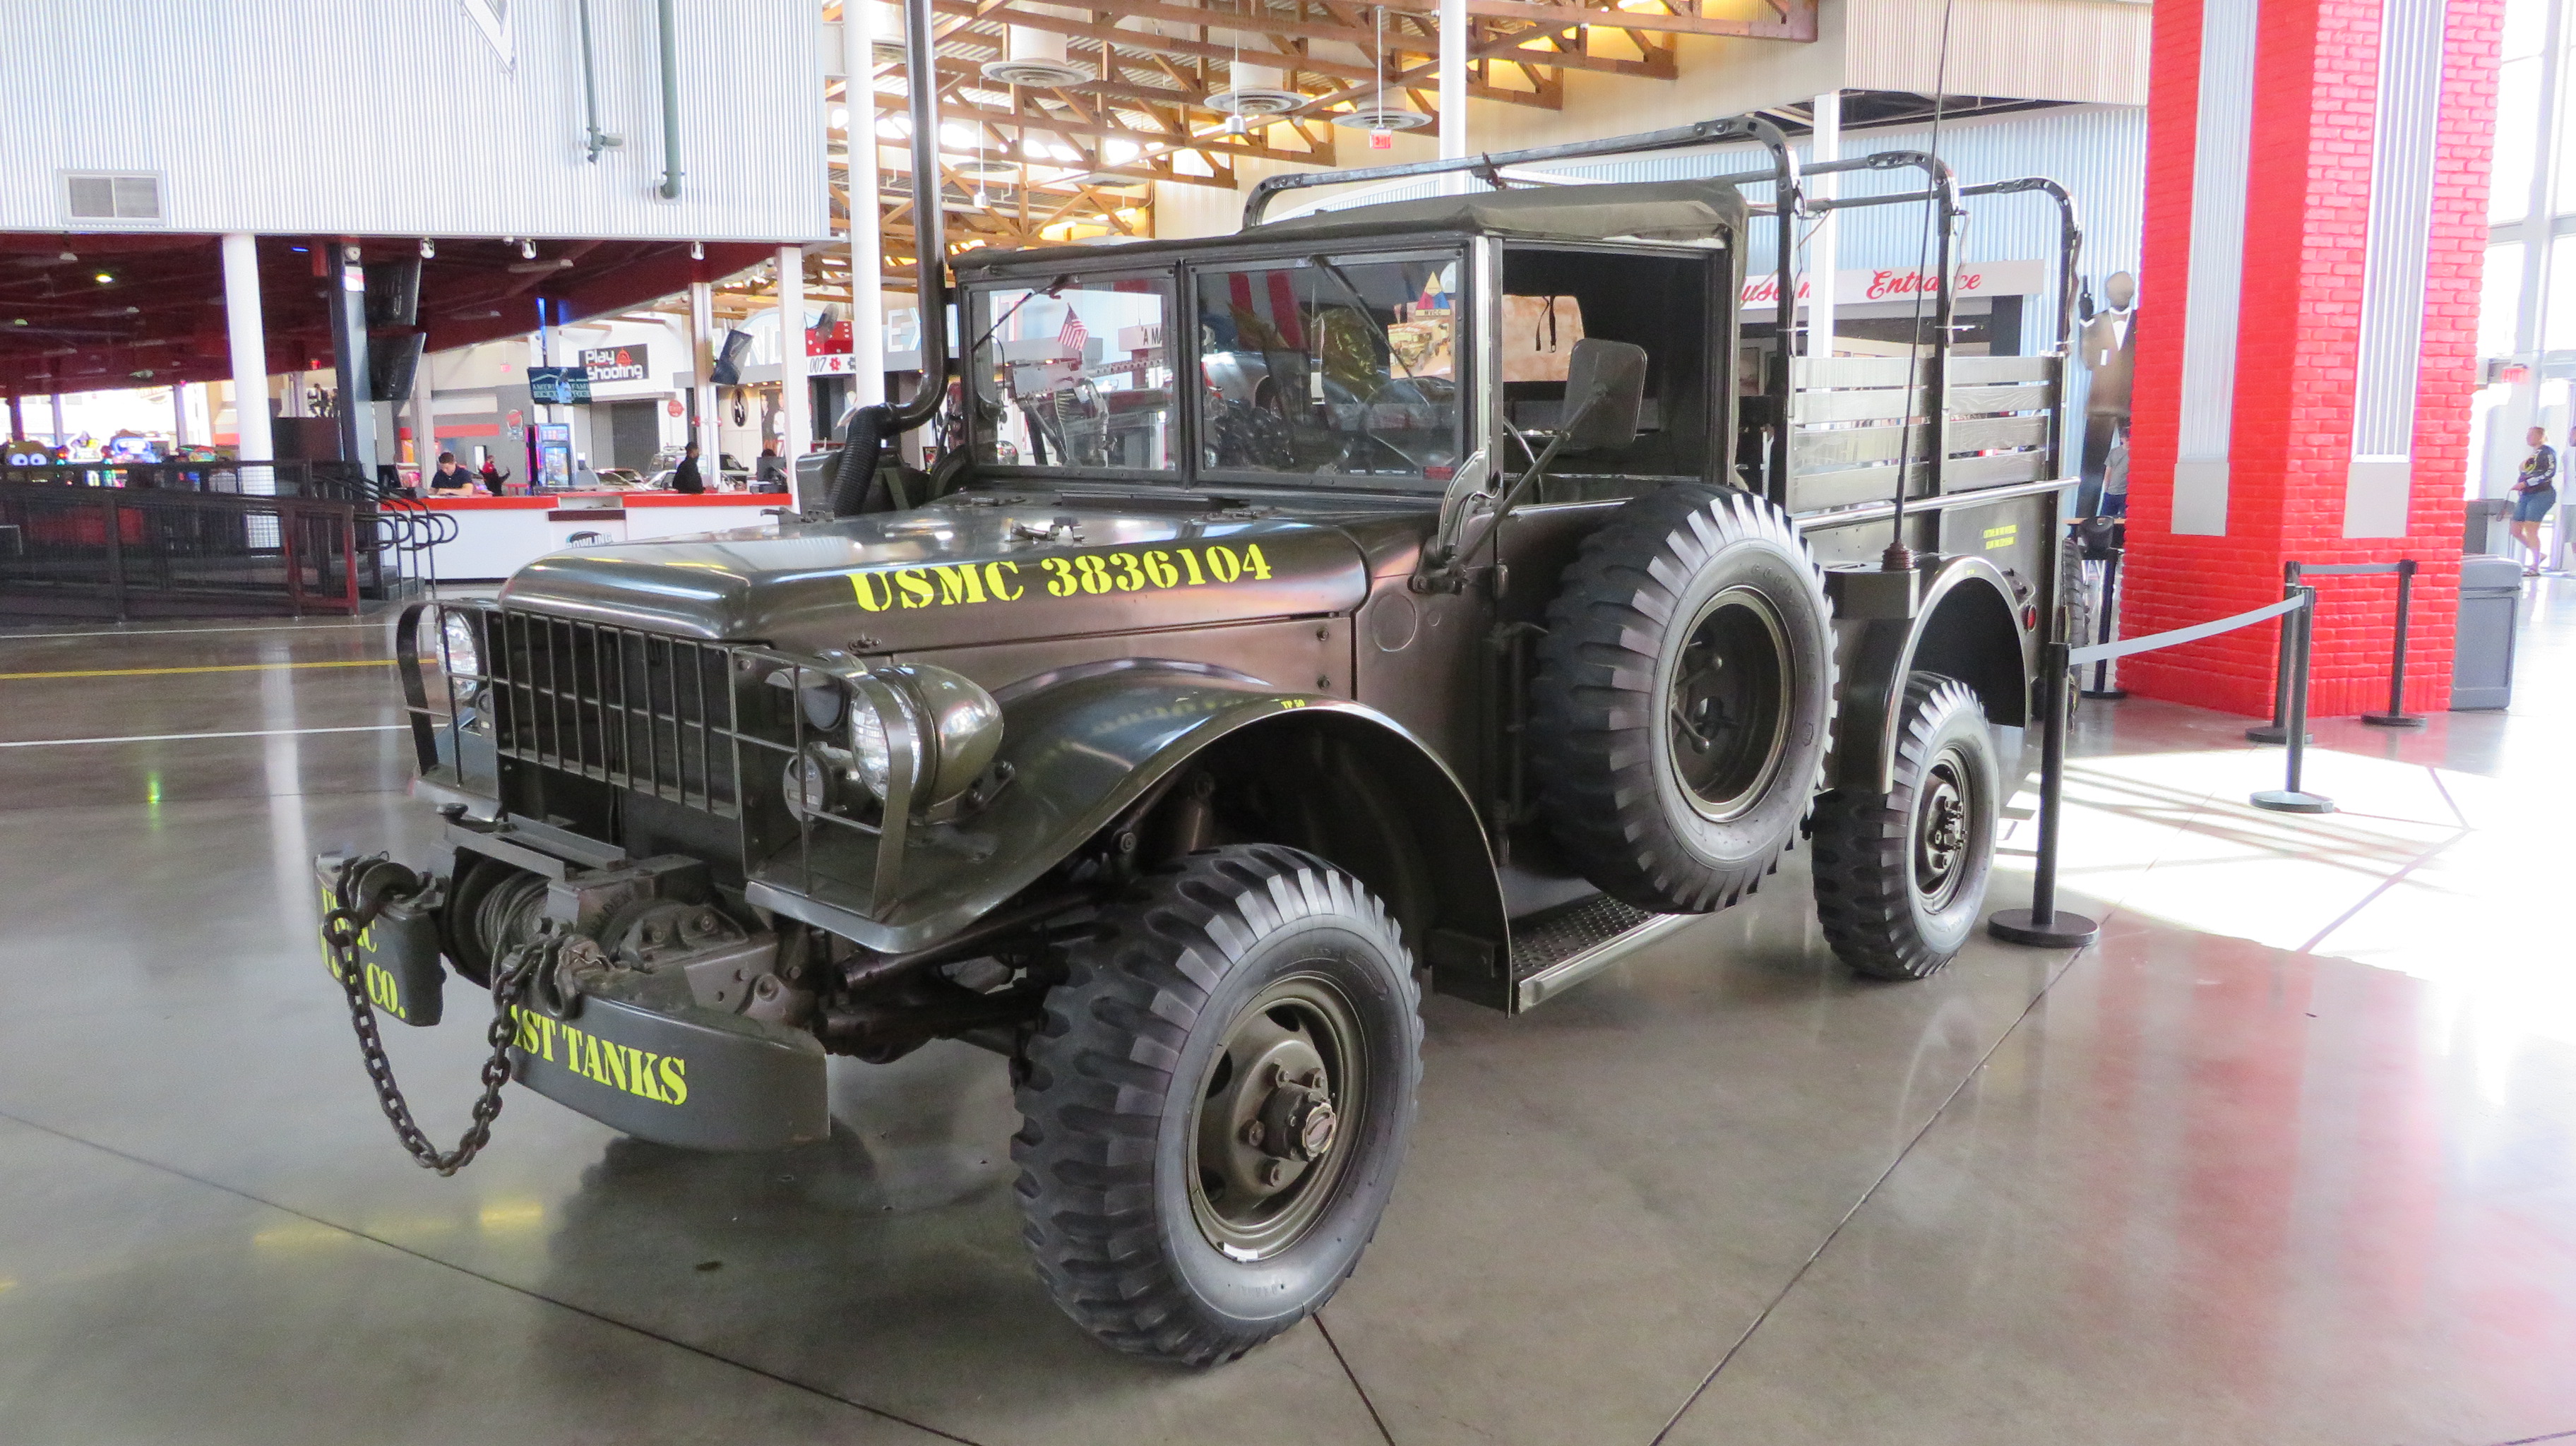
[[1452, 592]]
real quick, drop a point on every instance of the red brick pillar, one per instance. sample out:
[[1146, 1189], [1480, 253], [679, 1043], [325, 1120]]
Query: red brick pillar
[[2317, 170]]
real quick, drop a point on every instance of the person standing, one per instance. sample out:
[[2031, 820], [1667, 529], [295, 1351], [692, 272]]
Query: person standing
[[685, 478], [2535, 492]]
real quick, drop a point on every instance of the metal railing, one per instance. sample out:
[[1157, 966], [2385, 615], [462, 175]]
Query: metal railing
[[119, 550], [341, 480]]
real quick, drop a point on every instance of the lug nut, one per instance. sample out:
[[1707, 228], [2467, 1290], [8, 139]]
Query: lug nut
[[1273, 1173], [1252, 1133]]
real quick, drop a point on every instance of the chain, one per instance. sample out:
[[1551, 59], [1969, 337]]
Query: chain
[[340, 930]]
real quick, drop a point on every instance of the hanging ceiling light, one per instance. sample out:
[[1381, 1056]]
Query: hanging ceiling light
[[1037, 57], [1381, 118], [1252, 91], [1378, 117]]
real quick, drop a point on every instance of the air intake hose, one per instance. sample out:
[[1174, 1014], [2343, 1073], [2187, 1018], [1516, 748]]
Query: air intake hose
[[854, 475]]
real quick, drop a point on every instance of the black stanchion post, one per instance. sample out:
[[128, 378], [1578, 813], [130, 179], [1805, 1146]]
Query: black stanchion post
[[2102, 621], [2271, 732], [2042, 924], [2290, 797], [2397, 716]]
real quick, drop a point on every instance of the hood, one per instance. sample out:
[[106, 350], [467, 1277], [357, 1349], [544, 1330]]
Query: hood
[[950, 575]]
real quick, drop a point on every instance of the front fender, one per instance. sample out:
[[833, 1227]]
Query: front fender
[[1968, 626], [1086, 749]]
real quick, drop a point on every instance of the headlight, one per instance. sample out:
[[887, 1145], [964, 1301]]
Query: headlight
[[818, 781], [955, 730], [873, 754], [460, 657]]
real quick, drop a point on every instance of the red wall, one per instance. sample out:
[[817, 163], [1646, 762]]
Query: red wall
[[2316, 73]]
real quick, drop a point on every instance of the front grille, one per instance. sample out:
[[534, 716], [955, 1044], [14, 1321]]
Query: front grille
[[641, 711]]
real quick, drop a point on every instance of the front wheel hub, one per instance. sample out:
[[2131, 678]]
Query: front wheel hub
[[1270, 1115]]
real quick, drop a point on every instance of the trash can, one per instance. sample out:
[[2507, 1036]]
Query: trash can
[[2482, 656], [2485, 530]]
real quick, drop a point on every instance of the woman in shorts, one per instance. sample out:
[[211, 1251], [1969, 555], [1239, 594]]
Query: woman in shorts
[[2535, 491]]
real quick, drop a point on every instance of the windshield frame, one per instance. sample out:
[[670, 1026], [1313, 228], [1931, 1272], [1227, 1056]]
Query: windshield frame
[[979, 434], [1466, 339]]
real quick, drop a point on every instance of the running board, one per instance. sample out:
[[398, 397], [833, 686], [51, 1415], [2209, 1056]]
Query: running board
[[1556, 949]]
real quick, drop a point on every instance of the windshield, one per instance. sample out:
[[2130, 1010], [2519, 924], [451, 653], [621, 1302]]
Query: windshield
[[1073, 375], [1330, 368]]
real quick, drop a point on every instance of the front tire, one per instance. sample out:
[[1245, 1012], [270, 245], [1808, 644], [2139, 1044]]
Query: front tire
[[1217, 1103], [1901, 876]]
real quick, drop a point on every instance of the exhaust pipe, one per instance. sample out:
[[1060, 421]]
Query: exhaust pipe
[[854, 474]]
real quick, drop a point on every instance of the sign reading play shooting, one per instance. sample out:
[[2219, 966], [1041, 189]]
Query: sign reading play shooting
[[616, 363]]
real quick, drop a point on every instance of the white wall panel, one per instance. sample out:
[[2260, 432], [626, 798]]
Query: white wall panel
[[2380, 479], [398, 117]]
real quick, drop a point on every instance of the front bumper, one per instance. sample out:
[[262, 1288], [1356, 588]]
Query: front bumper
[[631, 1048]]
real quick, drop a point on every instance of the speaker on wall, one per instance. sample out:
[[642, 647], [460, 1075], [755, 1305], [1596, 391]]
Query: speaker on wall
[[393, 293], [392, 362], [729, 358]]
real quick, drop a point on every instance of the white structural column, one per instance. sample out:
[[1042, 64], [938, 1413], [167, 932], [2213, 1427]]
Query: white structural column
[[702, 362], [1824, 252], [795, 397], [249, 336], [58, 434], [424, 418], [867, 249], [1453, 88]]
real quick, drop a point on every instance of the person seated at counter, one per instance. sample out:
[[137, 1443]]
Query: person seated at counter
[[685, 478], [450, 480]]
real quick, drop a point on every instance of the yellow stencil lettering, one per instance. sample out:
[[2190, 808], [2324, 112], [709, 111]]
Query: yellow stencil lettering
[[916, 588], [1158, 567], [642, 1079], [1059, 576], [1131, 576], [1254, 562], [875, 593], [997, 581], [1190, 560], [1223, 565], [959, 585], [675, 1080], [1095, 573]]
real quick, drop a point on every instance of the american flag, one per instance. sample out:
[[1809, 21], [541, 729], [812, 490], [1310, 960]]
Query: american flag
[[1073, 337]]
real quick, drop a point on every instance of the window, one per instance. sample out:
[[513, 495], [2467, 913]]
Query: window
[[2500, 300], [2517, 139], [1077, 374], [1343, 368]]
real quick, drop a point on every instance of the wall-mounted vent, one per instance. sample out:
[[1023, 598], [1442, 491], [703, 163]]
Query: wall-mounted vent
[[112, 198]]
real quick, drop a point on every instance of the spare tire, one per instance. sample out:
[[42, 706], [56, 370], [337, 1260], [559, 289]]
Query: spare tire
[[1684, 698]]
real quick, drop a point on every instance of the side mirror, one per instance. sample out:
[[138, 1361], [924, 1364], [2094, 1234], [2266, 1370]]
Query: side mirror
[[1605, 383]]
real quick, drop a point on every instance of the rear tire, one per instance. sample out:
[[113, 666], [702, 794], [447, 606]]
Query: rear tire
[[1901, 876], [1243, 998], [1684, 697]]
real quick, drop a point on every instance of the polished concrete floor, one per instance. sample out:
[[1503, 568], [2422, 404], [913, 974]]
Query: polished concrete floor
[[2290, 1156]]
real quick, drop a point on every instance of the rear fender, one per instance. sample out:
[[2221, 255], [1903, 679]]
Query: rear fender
[[1969, 627], [1098, 748]]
